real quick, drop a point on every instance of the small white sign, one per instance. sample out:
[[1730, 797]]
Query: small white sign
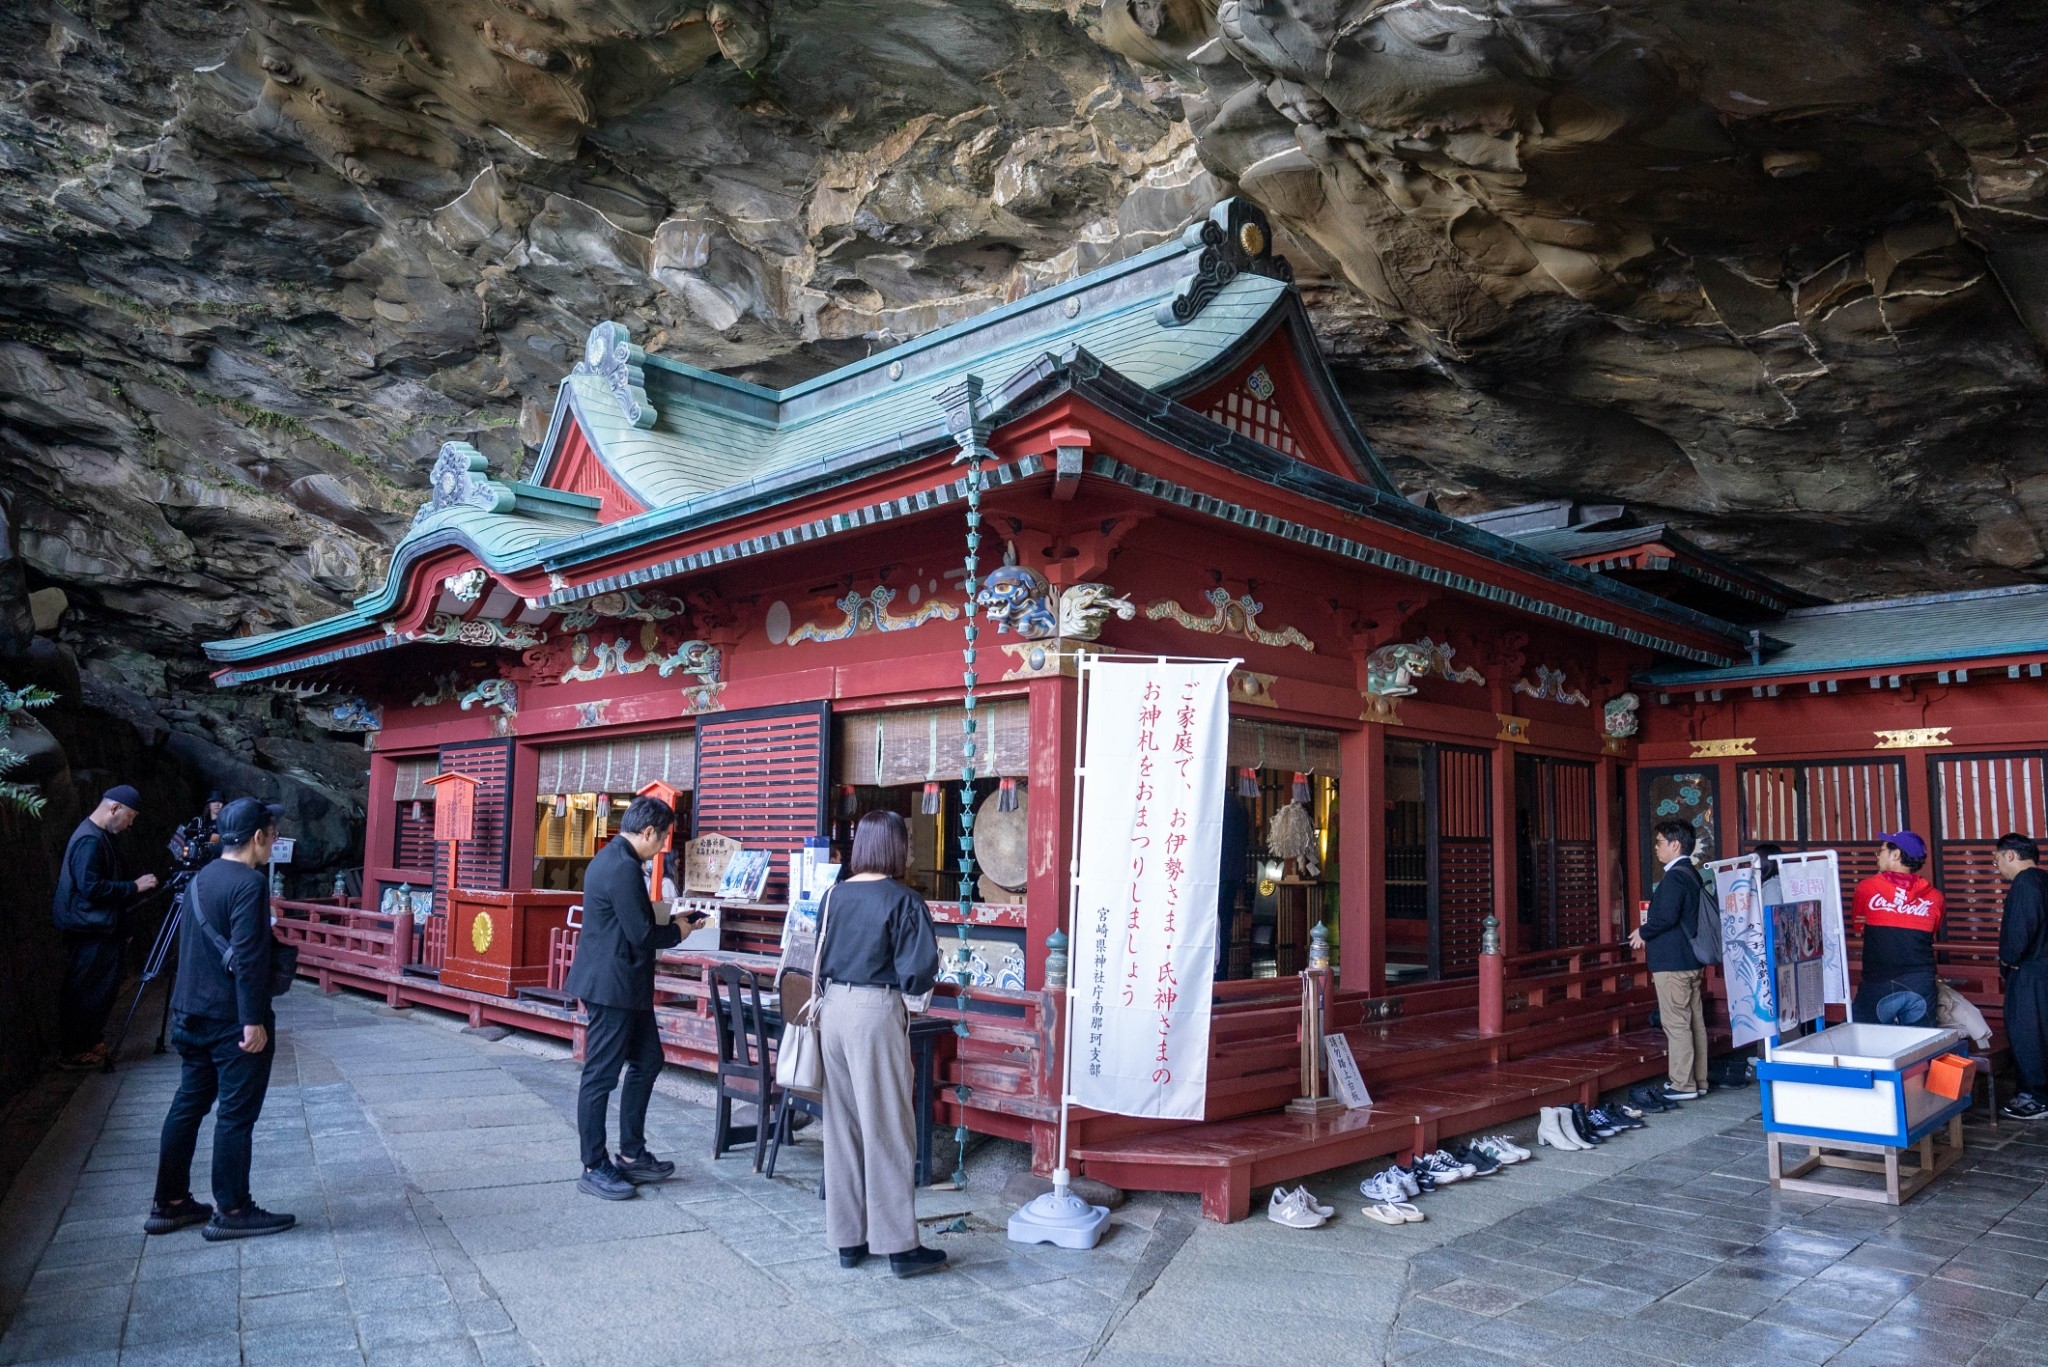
[[281, 850], [1344, 1074]]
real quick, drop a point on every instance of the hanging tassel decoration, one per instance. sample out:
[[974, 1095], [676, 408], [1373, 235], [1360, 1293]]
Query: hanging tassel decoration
[[1006, 795], [848, 804], [561, 805], [417, 813], [1248, 783], [931, 799], [1300, 787], [604, 804]]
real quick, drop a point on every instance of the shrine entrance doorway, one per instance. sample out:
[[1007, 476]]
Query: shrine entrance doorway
[[1557, 862], [1439, 844]]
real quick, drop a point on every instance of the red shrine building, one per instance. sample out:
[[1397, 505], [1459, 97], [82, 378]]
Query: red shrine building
[[754, 601]]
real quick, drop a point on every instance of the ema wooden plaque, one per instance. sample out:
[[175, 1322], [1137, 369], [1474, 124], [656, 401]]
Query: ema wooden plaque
[[454, 806], [704, 861]]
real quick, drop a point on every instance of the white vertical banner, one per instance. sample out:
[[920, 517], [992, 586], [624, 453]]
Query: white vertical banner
[[1154, 756], [1745, 963]]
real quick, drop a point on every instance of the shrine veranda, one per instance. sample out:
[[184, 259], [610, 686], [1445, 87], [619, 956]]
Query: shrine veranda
[[755, 598]]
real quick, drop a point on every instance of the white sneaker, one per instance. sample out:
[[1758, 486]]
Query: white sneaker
[[1285, 1208], [1383, 1188], [1309, 1202], [1507, 1150], [1406, 1177]]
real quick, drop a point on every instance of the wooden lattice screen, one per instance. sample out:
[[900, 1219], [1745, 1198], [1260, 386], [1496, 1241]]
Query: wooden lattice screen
[[484, 859], [761, 779]]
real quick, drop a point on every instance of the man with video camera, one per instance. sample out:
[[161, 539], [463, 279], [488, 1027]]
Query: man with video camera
[[197, 843], [91, 908]]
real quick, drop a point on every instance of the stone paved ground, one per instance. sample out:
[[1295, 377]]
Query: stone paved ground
[[433, 1174]]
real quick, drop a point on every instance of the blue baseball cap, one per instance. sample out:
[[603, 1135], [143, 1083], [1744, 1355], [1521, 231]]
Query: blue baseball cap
[[1910, 845]]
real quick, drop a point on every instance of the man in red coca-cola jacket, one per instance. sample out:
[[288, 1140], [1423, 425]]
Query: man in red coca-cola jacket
[[1899, 915]]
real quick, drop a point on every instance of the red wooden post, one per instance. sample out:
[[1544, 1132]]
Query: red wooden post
[[1493, 984], [454, 822], [1361, 843], [1504, 849], [1607, 849]]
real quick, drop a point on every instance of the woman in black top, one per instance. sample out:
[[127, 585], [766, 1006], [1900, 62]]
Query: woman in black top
[[877, 949]]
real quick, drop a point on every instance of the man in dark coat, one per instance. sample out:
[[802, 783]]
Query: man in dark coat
[[1666, 939], [613, 975], [224, 1029], [2023, 958], [92, 902]]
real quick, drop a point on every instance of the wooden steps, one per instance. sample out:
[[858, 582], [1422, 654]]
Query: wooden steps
[[1225, 1160]]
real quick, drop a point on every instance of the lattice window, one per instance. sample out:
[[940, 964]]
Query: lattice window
[[1978, 798], [1249, 410], [761, 780]]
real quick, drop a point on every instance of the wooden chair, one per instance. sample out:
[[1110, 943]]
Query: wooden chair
[[795, 991], [745, 1070]]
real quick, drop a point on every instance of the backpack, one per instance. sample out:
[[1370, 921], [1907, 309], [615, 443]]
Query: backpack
[[1705, 936]]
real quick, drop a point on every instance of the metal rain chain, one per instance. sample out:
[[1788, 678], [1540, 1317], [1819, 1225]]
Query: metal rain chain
[[968, 423]]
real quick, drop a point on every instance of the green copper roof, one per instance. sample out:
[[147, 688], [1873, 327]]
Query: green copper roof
[[1887, 635]]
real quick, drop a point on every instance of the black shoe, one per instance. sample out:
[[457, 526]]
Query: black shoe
[[1484, 1165], [1424, 1181], [1622, 1110], [916, 1261], [250, 1222], [605, 1183], [853, 1257], [1674, 1095], [2024, 1107], [166, 1217], [1603, 1123], [644, 1169], [1619, 1117], [1576, 1115], [1651, 1100]]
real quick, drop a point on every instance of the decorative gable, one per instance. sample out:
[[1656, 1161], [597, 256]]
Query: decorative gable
[[1249, 408], [576, 469]]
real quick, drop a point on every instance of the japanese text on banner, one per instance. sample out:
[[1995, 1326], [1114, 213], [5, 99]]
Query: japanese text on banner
[[1150, 840]]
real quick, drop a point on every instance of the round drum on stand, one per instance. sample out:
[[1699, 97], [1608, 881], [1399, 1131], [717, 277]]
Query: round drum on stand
[[1001, 849]]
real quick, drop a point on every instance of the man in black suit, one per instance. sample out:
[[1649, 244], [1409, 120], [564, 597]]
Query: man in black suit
[[223, 1027], [614, 976], [91, 908], [1667, 937]]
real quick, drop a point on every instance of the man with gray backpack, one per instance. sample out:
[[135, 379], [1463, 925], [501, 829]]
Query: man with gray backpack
[[1681, 934]]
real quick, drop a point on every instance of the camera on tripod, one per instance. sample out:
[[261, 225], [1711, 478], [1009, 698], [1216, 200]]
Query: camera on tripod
[[190, 850]]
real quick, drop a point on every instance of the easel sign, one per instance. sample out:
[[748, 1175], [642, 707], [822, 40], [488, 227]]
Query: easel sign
[[705, 860], [1344, 1074], [1816, 876]]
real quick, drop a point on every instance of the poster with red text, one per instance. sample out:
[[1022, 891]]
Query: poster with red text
[[1151, 833]]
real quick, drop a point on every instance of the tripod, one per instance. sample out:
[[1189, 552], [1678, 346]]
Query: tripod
[[161, 955]]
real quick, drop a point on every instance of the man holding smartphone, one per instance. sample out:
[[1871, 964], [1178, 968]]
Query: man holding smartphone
[[613, 975]]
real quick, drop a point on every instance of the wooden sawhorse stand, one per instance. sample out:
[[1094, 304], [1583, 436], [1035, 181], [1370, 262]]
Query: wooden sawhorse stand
[[1834, 1153]]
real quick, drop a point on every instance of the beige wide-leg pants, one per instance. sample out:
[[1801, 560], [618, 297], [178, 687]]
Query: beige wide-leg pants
[[870, 1127], [1683, 1009]]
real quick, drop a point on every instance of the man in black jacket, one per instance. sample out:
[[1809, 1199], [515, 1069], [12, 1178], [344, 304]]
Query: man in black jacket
[[2023, 958], [92, 901], [223, 1027], [1666, 936], [613, 975]]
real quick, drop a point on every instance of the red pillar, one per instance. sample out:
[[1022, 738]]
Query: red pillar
[[1607, 846], [1361, 842], [1504, 869], [1055, 744]]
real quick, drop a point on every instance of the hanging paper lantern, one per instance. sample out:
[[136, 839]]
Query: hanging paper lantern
[[931, 799], [1300, 786], [1248, 783], [1006, 795]]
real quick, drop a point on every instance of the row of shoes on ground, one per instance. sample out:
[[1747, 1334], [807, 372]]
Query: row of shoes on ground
[[1391, 1192], [1578, 1127], [1659, 1097]]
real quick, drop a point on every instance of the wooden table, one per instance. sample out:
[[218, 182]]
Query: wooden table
[[1899, 1185]]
